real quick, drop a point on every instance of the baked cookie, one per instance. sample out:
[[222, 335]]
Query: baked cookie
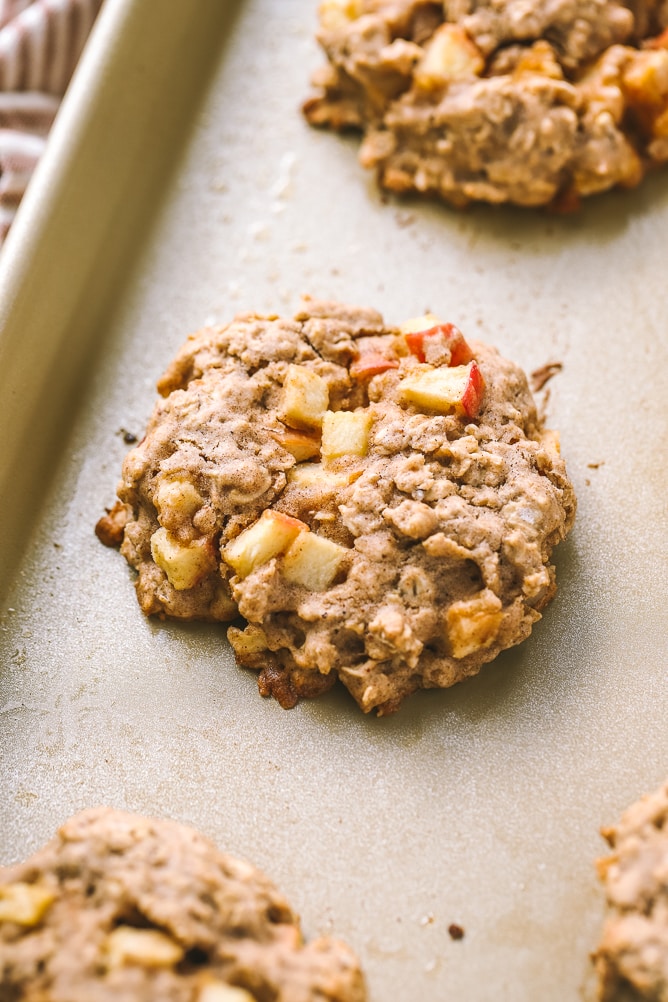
[[378, 503], [632, 958], [498, 100], [122, 908]]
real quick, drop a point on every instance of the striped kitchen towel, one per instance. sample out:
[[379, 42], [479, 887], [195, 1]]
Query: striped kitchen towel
[[40, 45]]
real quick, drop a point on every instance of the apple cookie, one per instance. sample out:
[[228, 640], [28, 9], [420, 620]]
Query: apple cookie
[[123, 907], [498, 100], [632, 957], [378, 503]]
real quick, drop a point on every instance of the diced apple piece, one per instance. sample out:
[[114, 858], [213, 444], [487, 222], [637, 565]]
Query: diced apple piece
[[147, 947], [549, 439], [298, 444], [474, 624], [455, 390], [305, 398], [421, 323], [24, 904], [314, 475], [449, 55], [270, 535], [475, 387], [451, 336], [345, 433], [645, 81], [175, 500], [312, 561], [539, 58], [185, 564], [215, 991], [370, 364], [336, 14]]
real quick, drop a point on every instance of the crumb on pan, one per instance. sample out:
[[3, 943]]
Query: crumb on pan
[[540, 377]]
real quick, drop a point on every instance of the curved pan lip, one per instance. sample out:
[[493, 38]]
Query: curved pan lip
[[79, 223]]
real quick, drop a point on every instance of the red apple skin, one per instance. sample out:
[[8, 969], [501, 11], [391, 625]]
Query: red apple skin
[[370, 364], [472, 396], [660, 42], [460, 350]]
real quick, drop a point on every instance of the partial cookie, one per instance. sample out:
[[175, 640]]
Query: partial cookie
[[122, 908], [378, 503], [498, 100], [632, 958]]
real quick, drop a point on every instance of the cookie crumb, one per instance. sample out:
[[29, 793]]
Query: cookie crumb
[[539, 377], [110, 528]]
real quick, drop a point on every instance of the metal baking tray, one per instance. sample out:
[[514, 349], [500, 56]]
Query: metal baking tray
[[181, 185]]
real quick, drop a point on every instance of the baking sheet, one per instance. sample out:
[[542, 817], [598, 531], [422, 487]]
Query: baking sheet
[[182, 186]]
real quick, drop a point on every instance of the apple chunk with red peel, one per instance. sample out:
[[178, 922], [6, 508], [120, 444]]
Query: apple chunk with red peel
[[270, 536], [370, 364], [313, 561], [451, 336], [457, 390]]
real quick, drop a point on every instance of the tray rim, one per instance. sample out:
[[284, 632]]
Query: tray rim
[[90, 200]]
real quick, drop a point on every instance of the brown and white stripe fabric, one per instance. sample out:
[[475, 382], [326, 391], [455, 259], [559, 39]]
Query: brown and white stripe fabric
[[9, 9], [40, 44]]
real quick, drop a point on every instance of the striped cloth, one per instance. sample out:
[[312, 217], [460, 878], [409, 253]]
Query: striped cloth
[[40, 45]]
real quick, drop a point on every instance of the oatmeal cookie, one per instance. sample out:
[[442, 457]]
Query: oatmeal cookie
[[498, 100], [632, 958], [123, 908], [379, 504]]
